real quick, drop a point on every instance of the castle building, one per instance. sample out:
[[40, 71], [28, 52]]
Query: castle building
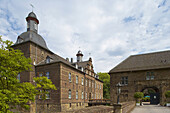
[[76, 82], [147, 73]]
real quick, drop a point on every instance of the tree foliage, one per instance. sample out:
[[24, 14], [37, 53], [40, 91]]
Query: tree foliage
[[105, 77], [138, 95], [167, 94], [14, 94]]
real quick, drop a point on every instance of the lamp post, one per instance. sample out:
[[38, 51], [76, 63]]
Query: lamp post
[[118, 91]]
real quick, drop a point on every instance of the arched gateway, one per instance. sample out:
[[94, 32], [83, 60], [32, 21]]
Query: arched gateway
[[152, 93], [140, 73]]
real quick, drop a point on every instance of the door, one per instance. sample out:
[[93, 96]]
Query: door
[[154, 98]]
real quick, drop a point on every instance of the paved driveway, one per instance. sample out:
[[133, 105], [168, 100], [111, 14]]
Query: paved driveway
[[151, 109]]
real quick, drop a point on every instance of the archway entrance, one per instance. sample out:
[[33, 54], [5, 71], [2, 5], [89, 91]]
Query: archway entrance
[[151, 94]]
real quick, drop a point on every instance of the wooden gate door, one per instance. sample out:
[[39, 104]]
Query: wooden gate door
[[154, 98]]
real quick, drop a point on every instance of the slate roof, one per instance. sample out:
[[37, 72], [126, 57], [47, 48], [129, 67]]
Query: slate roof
[[33, 37], [82, 64], [32, 14], [56, 58], [148, 61]]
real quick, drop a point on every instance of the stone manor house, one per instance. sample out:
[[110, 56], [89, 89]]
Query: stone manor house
[[76, 82], [139, 73]]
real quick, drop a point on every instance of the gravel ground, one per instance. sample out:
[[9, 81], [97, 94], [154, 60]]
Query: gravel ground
[[151, 109]]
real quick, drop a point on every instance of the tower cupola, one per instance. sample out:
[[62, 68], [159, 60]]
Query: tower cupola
[[79, 56], [32, 22]]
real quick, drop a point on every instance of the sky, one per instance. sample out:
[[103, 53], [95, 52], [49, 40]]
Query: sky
[[109, 31]]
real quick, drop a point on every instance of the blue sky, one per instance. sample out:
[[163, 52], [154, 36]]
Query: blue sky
[[111, 30]]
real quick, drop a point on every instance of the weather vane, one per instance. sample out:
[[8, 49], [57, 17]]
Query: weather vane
[[32, 7]]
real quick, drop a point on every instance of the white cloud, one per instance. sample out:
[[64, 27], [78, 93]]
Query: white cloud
[[109, 30]]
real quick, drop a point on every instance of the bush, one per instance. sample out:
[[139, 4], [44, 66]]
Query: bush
[[138, 95], [167, 94]]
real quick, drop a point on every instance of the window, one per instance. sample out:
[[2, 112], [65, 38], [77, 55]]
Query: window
[[82, 95], [82, 81], [89, 72], [40, 75], [124, 80], [69, 94], [76, 94], [95, 96], [92, 84], [95, 85], [150, 76], [147, 77], [77, 79], [86, 71], [86, 82], [69, 77], [86, 95], [18, 77], [100, 86], [48, 60], [70, 105], [40, 97], [35, 26], [48, 75], [48, 94]]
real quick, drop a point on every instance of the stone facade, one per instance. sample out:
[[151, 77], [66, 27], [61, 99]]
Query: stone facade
[[147, 73], [70, 79]]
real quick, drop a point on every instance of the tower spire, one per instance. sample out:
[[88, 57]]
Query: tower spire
[[32, 7], [79, 56]]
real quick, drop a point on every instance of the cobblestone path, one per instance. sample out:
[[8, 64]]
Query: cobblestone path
[[151, 109]]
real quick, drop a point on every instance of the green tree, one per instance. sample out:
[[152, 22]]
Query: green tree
[[105, 77], [167, 95], [14, 94], [138, 96]]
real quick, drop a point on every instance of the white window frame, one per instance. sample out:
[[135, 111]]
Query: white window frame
[[77, 79], [69, 93], [82, 95], [48, 95], [82, 81], [69, 77], [48, 75], [76, 94]]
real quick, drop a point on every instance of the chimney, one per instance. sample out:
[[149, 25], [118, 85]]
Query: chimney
[[71, 60], [67, 59]]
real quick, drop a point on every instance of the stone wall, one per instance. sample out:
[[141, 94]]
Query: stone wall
[[127, 107], [137, 82]]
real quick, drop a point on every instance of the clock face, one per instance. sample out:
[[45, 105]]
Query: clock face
[[35, 26]]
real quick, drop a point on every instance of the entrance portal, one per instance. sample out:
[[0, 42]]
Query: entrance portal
[[151, 94]]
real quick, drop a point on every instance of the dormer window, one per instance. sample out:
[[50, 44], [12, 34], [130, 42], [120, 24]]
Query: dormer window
[[47, 59], [76, 66]]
